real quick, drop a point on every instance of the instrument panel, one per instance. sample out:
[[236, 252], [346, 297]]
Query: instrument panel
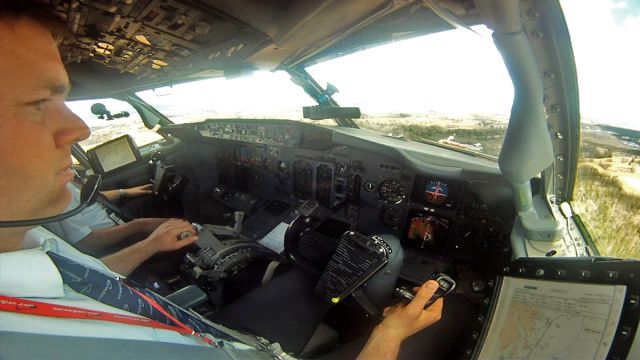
[[370, 191]]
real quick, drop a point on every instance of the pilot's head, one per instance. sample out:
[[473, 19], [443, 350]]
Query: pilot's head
[[36, 127]]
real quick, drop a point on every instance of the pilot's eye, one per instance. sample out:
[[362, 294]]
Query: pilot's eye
[[38, 104]]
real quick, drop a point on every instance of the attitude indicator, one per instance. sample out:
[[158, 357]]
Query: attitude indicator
[[436, 192]]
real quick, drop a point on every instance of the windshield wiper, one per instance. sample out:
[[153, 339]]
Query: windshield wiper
[[302, 78]]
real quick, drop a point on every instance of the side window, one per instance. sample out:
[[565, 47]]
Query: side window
[[607, 188], [106, 129], [607, 192]]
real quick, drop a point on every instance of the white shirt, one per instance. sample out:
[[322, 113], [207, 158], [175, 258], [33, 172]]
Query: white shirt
[[77, 227], [30, 273]]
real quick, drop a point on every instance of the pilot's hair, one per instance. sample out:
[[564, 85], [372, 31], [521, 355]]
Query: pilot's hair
[[37, 11]]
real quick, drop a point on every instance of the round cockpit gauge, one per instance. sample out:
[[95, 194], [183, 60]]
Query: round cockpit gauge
[[370, 186], [436, 192], [341, 168], [282, 166], [392, 191]]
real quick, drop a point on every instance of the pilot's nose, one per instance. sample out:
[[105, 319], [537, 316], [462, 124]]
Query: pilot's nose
[[71, 129]]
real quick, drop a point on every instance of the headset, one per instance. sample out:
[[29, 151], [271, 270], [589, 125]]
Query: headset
[[88, 196]]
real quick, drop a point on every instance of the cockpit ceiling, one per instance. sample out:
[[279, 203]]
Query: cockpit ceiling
[[136, 44]]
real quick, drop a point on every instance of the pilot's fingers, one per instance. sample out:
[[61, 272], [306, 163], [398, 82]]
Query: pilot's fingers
[[178, 222], [176, 227], [186, 241], [180, 231], [436, 307], [433, 313], [181, 227], [146, 187], [390, 309], [424, 293]]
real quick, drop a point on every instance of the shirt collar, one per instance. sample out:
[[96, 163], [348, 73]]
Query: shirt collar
[[30, 272]]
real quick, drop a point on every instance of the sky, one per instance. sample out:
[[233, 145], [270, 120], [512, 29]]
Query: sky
[[444, 72], [419, 75], [455, 72], [606, 42]]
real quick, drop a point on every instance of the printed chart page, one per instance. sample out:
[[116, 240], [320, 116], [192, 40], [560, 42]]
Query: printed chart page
[[539, 319]]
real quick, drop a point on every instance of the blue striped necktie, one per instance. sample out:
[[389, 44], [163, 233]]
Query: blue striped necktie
[[113, 292]]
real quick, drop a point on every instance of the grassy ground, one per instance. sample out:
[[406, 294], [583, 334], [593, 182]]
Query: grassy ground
[[487, 132], [613, 217], [608, 203]]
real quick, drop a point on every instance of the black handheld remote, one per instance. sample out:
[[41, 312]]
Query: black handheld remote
[[445, 285]]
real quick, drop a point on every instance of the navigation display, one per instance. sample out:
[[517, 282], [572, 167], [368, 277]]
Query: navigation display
[[114, 154], [542, 319], [427, 232]]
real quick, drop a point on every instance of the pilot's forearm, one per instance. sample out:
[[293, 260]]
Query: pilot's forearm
[[126, 260], [100, 239], [166, 237], [113, 195], [121, 194], [382, 345]]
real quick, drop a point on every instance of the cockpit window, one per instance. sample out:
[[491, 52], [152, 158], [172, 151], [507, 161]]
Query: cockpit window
[[119, 119], [607, 188], [451, 87], [261, 95]]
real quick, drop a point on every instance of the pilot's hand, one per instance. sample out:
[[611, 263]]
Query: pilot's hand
[[166, 237], [403, 320], [148, 225], [138, 190]]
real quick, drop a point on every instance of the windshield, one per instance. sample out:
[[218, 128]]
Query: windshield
[[451, 88], [261, 95]]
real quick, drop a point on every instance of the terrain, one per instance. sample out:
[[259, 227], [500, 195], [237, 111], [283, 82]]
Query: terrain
[[607, 193]]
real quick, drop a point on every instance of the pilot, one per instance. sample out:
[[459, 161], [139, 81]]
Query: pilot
[[96, 229], [36, 270]]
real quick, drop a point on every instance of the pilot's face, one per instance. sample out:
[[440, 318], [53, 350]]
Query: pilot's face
[[36, 127]]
